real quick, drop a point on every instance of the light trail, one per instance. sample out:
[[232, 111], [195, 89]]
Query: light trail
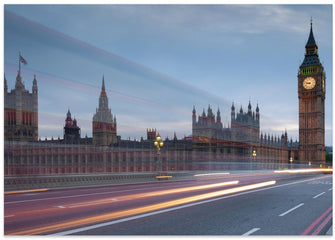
[[150, 194], [28, 191], [139, 210], [122, 198], [305, 170]]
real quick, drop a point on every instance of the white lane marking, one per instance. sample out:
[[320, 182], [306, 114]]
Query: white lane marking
[[80, 195], [171, 209], [292, 209], [61, 206], [251, 232], [319, 195], [9, 216], [330, 189]]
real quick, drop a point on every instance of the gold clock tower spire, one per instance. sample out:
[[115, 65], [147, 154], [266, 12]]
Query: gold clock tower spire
[[311, 93]]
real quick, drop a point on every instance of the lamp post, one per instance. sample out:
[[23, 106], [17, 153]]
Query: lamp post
[[253, 158], [254, 155], [159, 144], [291, 160]]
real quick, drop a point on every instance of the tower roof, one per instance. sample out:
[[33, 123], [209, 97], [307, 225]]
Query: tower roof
[[311, 41], [103, 90], [5, 83], [311, 55], [68, 115]]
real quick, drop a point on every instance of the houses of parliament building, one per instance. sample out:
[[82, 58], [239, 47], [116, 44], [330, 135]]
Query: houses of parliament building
[[211, 146]]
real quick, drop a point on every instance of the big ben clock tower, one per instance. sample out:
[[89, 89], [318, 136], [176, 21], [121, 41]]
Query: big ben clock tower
[[311, 93]]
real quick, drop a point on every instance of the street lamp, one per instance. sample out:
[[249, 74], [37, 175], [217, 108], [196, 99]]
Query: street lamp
[[159, 144], [291, 160], [254, 154]]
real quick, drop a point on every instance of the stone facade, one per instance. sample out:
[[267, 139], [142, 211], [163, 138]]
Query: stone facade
[[241, 139], [20, 112]]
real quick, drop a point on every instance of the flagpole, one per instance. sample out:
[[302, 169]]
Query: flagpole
[[19, 63]]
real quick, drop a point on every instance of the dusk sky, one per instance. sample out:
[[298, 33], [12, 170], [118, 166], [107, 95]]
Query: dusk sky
[[160, 60]]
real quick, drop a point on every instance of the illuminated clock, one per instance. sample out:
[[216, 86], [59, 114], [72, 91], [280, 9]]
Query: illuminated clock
[[309, 83]]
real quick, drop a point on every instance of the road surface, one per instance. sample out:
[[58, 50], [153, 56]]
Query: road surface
[[249, 203]]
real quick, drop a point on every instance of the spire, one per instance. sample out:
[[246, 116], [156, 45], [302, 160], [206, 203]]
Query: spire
[[233, 107], [103, 90], [249, 109], [5, 84], [68, 115], [218, 116], [19, 83], [311, 52], [68, 120], [209, 111], [311, 41], [34, 89], [103, 83]]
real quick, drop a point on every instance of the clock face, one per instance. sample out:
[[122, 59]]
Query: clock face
[[309, 83]]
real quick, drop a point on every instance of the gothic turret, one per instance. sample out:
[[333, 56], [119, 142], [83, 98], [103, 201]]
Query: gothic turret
[[20, 111], [71, 130], [19, 84], [232, 112], [68, 120], [257, 113], [249, 109], [104, 125], [218, 116], [194, 115], [5, 84], [34, 88]]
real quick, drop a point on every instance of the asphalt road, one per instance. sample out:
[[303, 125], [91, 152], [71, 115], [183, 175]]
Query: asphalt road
[[262, 203]]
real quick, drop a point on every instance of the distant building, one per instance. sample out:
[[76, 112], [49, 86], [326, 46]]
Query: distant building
[[104, 125], [212, 146], [151, 134], [71, 130], [244, 126], [21, 112], [239, 140]]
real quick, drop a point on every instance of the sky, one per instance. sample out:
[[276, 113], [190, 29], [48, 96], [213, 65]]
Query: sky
[[158, 61]]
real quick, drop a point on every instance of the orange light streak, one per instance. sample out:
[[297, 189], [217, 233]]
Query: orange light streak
[[139, 210], [305, 170], [150, 194], [28, 191]]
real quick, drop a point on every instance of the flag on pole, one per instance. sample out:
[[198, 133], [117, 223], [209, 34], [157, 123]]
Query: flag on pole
[[23, 60]]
